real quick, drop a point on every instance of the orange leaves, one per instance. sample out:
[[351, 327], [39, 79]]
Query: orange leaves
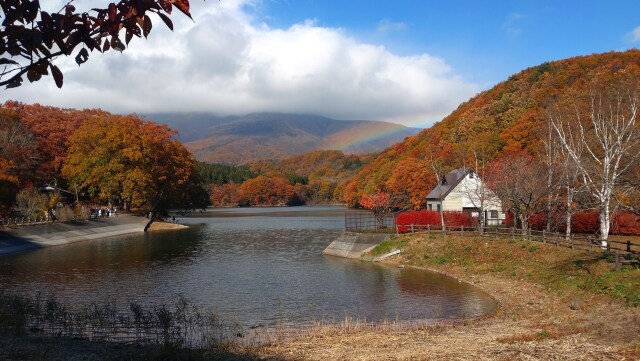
[[125, 157], [376, 202], [272, 191]]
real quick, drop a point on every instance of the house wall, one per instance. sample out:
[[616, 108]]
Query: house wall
[[472, 193]]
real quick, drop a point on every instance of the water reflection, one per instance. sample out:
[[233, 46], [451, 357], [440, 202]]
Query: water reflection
[[256, 266]]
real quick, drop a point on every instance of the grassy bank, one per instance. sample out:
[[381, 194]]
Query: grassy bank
[[561, 270]]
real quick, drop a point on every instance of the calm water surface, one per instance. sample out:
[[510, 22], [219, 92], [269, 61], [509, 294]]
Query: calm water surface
[[250, 265]]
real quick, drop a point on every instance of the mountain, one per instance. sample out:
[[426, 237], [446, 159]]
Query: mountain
[[242, 139], [511, 116]]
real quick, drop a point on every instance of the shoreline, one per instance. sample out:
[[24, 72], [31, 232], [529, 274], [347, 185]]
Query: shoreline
[[533, 321], [55, 234]]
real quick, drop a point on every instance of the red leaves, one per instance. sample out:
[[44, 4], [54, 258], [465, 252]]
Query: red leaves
[[375, 201], [183, 5], [30, 41], [82, 56], [112, 12], [166, 20], [432, 219], [146, 26], [57, 75]]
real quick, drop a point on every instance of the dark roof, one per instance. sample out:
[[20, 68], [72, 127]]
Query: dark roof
[[450, 181]]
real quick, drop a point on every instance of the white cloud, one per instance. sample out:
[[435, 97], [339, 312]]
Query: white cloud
[[386, 26], [634, 35], [512, 25], [226, 63]]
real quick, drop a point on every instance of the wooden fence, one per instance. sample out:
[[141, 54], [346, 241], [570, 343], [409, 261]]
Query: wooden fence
[[625, 251]]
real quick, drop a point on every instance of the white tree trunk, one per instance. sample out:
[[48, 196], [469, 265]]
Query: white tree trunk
[[569, 212]]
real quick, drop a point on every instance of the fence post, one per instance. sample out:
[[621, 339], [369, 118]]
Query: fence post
[[513, 233], [429, 228], [412, 231], [462, 230], [629, 250], [571, 241]]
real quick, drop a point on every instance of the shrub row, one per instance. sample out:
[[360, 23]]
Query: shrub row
[[623, 223], [432, 218]]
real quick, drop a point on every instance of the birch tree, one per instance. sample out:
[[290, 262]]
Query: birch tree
[[553, 162], [609, 141]]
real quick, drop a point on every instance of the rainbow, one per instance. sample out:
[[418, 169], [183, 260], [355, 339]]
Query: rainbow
[[364, 137]]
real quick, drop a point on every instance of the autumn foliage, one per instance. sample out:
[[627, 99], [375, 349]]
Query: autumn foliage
[[312, 178], [507, 118], [126, 159], [32, 38], [431, 219], [587, 222]]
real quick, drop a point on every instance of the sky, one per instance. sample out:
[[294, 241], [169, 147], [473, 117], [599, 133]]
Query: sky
[[408, 62]]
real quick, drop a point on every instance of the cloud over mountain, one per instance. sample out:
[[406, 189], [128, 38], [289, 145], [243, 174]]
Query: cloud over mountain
[[227, 62]]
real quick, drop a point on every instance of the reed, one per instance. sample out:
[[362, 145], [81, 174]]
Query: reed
[[177, 326]]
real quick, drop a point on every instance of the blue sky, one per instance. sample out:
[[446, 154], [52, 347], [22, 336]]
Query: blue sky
[[409, 62], [485, 41]]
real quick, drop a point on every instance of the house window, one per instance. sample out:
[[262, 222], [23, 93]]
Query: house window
[[430, 207], [438, 207], [494, 214]]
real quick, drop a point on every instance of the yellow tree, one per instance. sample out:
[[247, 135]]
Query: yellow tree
[[126, 159]]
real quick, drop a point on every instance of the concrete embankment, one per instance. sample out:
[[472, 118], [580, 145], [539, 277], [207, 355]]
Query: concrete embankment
[[47, 235], [354, 245]]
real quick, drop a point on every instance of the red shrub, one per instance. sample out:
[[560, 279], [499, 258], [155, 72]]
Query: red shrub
[[585, 222], [538, 221], [432, 218], [508, 219], [458, 219], [626, 223]]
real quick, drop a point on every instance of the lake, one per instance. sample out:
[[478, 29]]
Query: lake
[[250, 265]]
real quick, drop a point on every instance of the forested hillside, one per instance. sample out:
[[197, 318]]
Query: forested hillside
[[94, 156], [310, 178], [511, 117]]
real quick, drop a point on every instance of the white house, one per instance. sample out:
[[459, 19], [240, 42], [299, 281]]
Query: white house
[[462, 190]]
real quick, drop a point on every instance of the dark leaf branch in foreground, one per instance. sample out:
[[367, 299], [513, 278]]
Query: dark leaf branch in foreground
[[31, 39]]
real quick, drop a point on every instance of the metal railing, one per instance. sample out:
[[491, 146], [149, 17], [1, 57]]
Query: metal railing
[[363, 221]]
